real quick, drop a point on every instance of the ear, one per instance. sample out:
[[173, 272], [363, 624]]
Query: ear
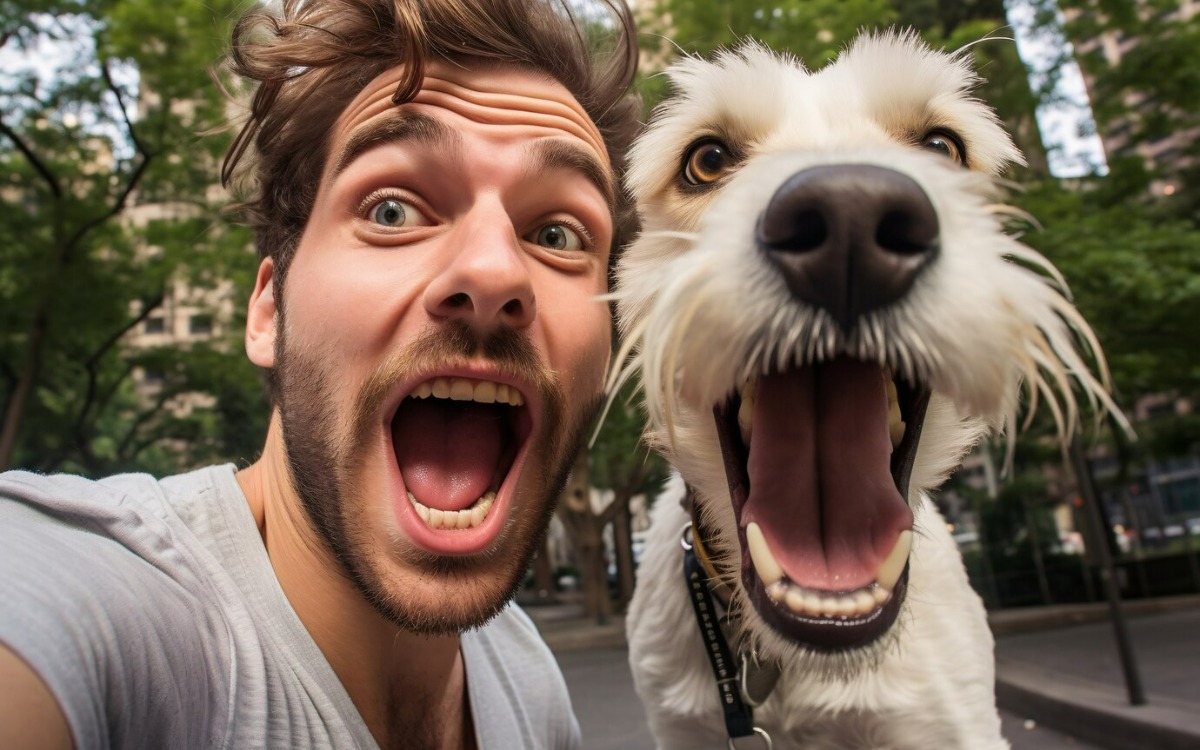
[[260, 317]]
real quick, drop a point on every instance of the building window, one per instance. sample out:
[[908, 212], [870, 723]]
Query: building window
[[153, 376], [200, 325], [154, 324]]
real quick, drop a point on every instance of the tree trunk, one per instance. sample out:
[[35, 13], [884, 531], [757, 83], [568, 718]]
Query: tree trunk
[[543, 575], [585, 530], [20, 396], [623, 546]]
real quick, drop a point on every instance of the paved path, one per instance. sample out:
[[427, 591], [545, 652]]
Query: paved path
[[611, 717], [1056, 667], [1166, 647]]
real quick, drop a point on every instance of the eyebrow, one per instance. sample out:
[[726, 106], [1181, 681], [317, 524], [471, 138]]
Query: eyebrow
[[401, 126], [559, 154]]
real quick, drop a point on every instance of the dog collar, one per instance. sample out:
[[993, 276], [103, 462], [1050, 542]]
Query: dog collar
[[745, 683]]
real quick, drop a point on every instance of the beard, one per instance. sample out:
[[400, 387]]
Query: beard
[[416, 590]]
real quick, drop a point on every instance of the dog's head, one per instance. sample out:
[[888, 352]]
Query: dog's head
[[827, 314]]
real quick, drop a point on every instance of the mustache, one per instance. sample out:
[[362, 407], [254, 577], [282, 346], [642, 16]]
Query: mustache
[[453, 342]]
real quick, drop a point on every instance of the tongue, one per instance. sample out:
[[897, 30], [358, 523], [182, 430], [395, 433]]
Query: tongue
[[447, 452], [821, 486]]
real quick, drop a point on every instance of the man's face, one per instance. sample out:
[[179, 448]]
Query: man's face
[[438, 346]]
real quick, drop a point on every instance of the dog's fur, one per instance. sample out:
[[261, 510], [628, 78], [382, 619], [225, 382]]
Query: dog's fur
[[702, 311]]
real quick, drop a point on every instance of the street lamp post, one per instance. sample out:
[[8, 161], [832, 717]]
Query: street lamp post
[[1083, 477]]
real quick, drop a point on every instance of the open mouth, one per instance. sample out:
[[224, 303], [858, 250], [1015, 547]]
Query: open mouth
[[818, 461], [456, 441]]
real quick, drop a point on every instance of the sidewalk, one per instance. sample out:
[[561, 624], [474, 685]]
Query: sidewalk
[[1060, 666], [1057, 665]]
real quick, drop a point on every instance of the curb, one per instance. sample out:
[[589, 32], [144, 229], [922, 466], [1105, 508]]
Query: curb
[[1095, 713], [596, 636], [1031, 619]]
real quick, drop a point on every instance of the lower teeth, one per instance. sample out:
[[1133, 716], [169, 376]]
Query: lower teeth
[[467, 518], [802, 601]]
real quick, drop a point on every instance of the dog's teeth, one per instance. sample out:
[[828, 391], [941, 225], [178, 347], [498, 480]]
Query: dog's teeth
[[745, 415], [796, 600], [769, 570], [745, 419], [880, 594], [777, 591], [893, 566], [896, 426], [831, 606], [813, 604], [863, 602]]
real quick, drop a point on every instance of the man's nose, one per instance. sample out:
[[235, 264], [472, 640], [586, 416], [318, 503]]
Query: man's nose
[[484, 280]]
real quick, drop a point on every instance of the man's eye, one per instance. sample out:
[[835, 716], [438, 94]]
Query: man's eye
[[559, 236], [395, 213]]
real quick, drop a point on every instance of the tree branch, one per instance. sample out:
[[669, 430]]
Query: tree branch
[[92, 363], [142, 419], [33, 159], [130, 186]]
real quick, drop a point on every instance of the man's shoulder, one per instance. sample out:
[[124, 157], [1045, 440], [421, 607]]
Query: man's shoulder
[[111, 614], [111, 501]]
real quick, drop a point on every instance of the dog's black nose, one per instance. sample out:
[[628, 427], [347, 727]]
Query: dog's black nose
[[849, 238]]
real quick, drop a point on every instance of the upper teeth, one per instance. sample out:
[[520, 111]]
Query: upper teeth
[[816, 603], [466, 389], [745, 415]]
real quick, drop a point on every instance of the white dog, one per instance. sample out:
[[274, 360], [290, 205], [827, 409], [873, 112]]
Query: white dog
[[826, 315]]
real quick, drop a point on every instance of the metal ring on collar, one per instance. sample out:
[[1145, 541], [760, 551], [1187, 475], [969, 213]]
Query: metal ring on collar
[[758, 731], [685, 537]]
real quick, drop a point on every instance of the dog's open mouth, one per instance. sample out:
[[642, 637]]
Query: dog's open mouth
[[818, 461]]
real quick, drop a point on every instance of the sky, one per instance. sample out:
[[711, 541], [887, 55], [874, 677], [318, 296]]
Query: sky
[[1068, 128]]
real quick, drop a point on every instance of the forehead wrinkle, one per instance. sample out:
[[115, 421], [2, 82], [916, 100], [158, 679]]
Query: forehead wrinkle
[[555, 153], [398, 127]]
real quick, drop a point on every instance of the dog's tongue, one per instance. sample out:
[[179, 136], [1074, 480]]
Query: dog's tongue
[[821, 486], [447, 452]]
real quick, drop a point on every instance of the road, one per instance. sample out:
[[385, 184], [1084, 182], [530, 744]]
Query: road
[[611, 717]]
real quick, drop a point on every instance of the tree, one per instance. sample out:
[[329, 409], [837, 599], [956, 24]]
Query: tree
[[106, 216], [620, 467], [1148, 91], [1135, 276]]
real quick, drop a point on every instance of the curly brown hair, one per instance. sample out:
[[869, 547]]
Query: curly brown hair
[[310, 58]]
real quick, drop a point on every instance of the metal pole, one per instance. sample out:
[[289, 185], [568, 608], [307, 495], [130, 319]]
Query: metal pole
[[1083, 476]]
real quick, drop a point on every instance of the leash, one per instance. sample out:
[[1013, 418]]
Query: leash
[[737, 700]]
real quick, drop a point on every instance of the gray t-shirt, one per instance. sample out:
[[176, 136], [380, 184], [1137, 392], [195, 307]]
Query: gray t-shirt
[[151, 611]]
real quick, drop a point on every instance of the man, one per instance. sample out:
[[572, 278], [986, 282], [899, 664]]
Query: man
[[433, 190]]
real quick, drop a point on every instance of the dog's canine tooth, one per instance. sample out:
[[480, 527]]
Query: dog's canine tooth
[[745, 415], [745, 418], [896, 426], [893, 566], [768, 568]]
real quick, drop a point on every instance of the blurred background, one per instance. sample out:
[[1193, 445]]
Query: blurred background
[[123, 284]]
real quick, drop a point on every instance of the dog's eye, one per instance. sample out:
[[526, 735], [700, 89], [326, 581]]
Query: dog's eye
[[945, 143], [707, 161]]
